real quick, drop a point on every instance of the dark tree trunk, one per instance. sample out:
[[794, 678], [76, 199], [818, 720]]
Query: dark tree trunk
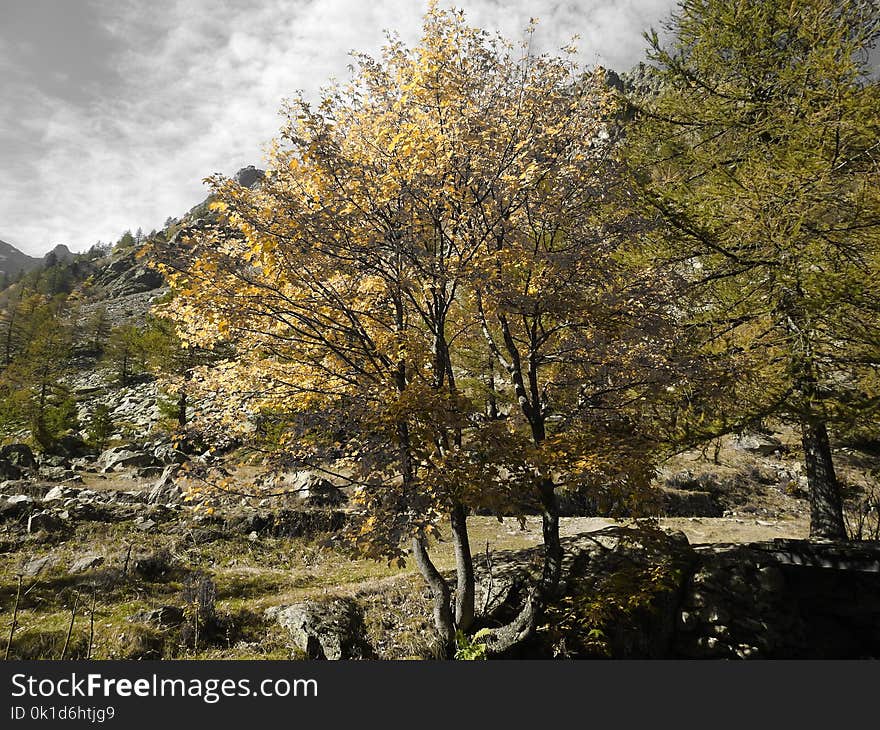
[[552, 570], [826, 504], [181, 409], [464, 566], [443, 619]]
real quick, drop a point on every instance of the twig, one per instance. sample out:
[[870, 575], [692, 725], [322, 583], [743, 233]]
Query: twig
[[14, 617], [490, 582], [196, 627], [127, 558], [92, 620], [69, 628]]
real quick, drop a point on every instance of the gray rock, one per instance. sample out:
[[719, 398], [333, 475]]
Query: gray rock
[[86, 562], [36, 566], [58, 492], [19, 455], [167, 454], [119, 457], [249, 176], [59, 474], [332, 630], [48, 521], [313, 489], [758, 443], [165, 490], [9, 470]]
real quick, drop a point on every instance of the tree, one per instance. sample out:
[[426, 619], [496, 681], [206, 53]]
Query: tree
[[126, 351], [403, 224], [759, 156], [33, 398], [97, 329], [166, 357], [126, 241], [100, 426]]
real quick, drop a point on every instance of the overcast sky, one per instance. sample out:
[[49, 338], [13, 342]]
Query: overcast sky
[[113, 111]]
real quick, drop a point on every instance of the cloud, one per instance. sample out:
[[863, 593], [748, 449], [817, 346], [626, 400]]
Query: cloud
[[186, 88]]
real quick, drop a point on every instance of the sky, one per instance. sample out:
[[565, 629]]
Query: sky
[[112, 112]]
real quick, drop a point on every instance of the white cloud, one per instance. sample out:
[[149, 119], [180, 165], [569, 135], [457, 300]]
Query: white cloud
[[203, 81]]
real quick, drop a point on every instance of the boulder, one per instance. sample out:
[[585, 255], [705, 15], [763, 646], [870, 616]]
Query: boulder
[[758, 443], [783, 599], [167, 454], [165, 490], [119, 457], [249, 176], [325, 630], [45, 520], [630, 579], [19, 499], [70, 445], [8, 470], [58, 492], [19, 455], [86, 562], [35, 566], [15, 506], [152, 566], [313, 489]]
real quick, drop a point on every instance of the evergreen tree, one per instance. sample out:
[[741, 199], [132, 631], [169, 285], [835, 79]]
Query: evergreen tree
[[759, 155]]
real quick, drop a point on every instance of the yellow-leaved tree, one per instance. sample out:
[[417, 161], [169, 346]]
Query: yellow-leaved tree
[[427, 241]]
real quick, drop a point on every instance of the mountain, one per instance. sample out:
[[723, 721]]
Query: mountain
[[12, 261], [59, 253]]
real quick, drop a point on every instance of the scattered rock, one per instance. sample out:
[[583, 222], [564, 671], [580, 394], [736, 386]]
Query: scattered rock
[[145, 525], [59, 474]]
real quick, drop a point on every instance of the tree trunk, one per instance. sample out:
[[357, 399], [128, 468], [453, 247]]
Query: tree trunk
[[464, 566], [181, 409], [443, 619], [826, 508], [552, 570]]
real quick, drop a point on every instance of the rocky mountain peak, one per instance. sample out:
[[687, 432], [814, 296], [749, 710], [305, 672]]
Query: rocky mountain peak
[[249, 176], [61, 253]]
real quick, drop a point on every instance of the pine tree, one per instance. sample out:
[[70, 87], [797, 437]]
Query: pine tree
[[759, 155]]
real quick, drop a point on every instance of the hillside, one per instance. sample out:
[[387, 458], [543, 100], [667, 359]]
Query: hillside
[[13, 261]]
